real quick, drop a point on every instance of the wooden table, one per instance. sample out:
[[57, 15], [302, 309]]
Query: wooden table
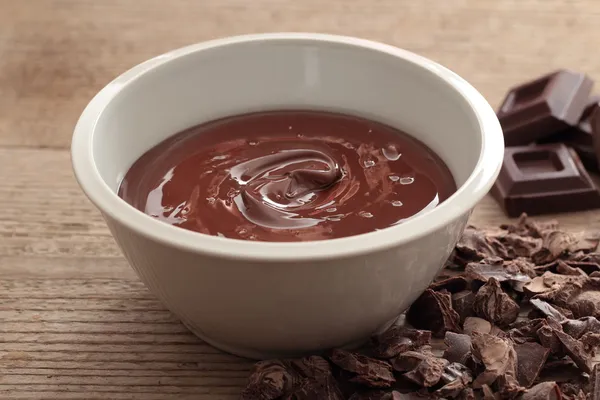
[[75, 322]]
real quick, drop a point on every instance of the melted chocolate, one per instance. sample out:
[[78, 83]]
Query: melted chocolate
[[287, 176]]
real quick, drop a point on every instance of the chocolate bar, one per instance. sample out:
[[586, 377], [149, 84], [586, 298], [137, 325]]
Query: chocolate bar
[[581, 137], [544, 179], [544, 107]]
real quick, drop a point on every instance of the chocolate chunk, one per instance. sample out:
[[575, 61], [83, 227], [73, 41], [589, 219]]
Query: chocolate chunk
[[364, 370], [488, 393], [547, 310], [549, 340], [476, 324], [542, 391], [397, 340], [557, 243], [459, 347], [581, 296], [575, 350], [466, 394], [579, 327], [462, 303], [542, 180], [451, 284], [270, 380], [549, 284], [475, 245], [325, 388], [530, 361], [420, 367], [311, 366], [543, 107], [498, 358], [595, 383], [527, 227], [493, 304], [433, 311], [500, 270], [525, 330], [580, 136], [584, 266], [455, 378]]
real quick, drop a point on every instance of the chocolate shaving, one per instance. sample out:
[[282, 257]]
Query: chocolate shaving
[[575, 350], [397, 340], [270, 380], [493, 304], [531, 358], [496, 268], [581, 296], [364, 370], [459, 347], [498, 358], [548, 311], [462, 303], [530, 228], [543, 391], [529, 264], [578, 327], [556, 243], [455, 377], [480, 325], [475, 245], [420, 367], [433, 311]]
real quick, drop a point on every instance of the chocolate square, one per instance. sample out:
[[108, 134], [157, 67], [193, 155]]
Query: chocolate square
[[543, 180], [580, 136], [543, 107]]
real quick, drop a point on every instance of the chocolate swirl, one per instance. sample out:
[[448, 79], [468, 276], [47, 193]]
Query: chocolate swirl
[[285, 176]]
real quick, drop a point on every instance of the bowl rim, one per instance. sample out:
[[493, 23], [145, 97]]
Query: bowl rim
[[459, 203]]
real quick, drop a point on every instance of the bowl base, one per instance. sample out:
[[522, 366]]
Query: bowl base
[[255, 354]]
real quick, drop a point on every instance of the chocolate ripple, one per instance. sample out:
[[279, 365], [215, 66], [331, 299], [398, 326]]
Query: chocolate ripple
[[287, 176]]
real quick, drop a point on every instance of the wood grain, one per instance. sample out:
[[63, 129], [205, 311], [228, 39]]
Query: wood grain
[[75, 322]]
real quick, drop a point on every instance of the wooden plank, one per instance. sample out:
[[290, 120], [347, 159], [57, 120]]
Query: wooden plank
[[55, 54], [75, 322]]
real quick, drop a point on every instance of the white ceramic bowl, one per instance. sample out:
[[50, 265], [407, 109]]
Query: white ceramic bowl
[[259, 299]]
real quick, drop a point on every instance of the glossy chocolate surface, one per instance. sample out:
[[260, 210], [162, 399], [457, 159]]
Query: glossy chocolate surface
[[542, 180], [544, 107], [287, 176]]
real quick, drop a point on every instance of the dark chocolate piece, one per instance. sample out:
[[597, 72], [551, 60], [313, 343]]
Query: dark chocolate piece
[[433, 311], [580, 134], [459, 347], [575, 350], [397, 340], [498, 358], [456, 377], [493, 304], [365, 370], [544, 179], [420, 367], [580, 137], [462, 303], [270, 380], [531, 358], [543, 391], [543, 107]]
